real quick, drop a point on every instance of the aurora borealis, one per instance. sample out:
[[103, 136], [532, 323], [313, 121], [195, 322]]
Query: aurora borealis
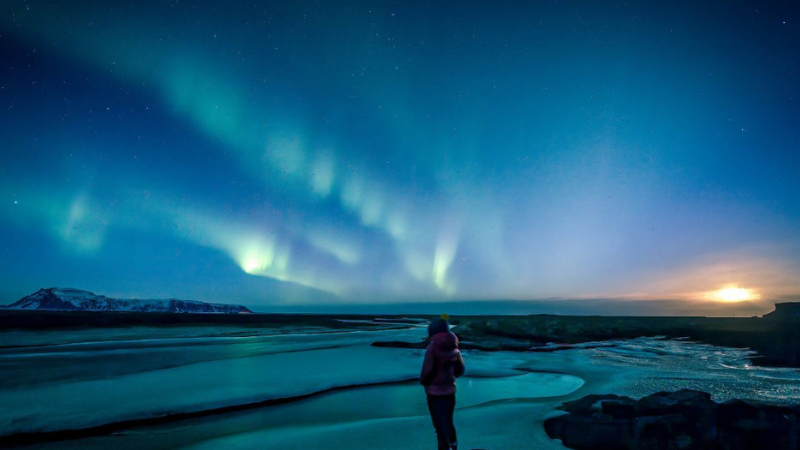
[[313, 152]]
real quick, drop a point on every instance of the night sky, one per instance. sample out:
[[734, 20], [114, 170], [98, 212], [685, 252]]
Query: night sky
[[316, 152]]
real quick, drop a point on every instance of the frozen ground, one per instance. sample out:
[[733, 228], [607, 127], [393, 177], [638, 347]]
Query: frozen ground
[[52, 383]]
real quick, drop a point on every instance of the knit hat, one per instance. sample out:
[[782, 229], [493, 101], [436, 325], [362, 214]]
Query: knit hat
[[439, 325]]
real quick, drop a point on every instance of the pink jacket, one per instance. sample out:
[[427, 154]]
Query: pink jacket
[[442, 365]]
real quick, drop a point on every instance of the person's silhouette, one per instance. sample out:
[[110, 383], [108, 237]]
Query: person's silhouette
[[442, 365]]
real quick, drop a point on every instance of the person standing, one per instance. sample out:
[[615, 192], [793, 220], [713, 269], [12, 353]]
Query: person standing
[[442, 365]]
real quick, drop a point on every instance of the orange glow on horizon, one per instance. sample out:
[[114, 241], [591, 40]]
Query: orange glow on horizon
[[735, 294]]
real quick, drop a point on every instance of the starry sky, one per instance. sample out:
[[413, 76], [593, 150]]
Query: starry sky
[[280, 153]]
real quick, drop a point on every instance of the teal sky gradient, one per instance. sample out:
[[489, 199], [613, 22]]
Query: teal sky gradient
[[304, 153]]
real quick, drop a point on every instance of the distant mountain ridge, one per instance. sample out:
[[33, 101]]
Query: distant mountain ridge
[[68, 299]]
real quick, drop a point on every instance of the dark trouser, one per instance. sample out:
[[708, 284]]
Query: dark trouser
[[441, 408]]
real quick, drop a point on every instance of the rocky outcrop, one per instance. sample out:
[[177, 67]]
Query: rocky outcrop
[[682, 420], [785, 312]]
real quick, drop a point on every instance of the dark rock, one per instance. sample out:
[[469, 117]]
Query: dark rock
[[593, 401], [400, 344], [682, 420], [789, 311], [682, 401]]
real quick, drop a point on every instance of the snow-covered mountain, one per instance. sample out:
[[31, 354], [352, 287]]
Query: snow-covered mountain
[[67, 299]]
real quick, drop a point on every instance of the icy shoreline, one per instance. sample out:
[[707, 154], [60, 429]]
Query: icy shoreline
[[254, 390]]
